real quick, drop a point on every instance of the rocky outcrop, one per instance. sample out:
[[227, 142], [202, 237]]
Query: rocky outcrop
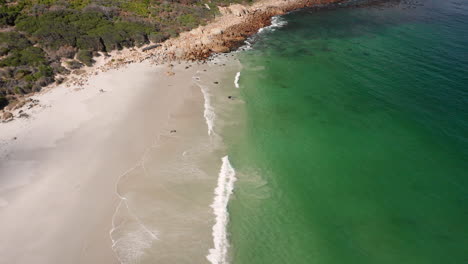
[[236, 9], [7, 116], [228, 31]]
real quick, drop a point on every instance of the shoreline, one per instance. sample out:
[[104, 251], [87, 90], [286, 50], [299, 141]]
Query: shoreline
[[224, 34]]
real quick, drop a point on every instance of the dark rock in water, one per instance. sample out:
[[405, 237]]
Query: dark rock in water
[[173, 131], [366, 53], [231, 97], [216, 82]]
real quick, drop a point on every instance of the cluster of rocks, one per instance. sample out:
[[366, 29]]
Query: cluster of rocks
[[7, 114], [229, 31]]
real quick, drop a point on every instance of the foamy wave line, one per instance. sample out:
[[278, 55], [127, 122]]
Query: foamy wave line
[[135, 245], [226, 179], [276, 22], [247, 46], [208, 113], [236, 80]]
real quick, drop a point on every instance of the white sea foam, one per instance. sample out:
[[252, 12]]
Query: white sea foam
[[247, 46], [236, 80], [276, 22], [208, 113], [130, 248], [226, 179]]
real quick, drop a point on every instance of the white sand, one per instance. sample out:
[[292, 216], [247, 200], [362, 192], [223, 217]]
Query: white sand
[[57, 179]]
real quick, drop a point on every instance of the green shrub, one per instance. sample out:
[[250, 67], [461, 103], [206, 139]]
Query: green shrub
[[13, 40], [86, 57], [157, 37], [90, 43], [74, 64], [9, 13], [139, 7], [188, 20], [31, 56]]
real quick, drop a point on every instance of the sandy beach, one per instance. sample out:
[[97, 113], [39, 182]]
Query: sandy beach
[[60, 167]]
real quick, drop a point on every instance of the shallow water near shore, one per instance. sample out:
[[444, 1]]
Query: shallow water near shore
[[349, 137], [173, 202]]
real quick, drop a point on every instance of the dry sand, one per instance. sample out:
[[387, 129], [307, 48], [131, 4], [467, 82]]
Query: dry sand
[[59, 168]]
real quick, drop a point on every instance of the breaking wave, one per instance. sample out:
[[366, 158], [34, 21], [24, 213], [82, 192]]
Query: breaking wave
[[226, 179], [236, 79], [276, 22]]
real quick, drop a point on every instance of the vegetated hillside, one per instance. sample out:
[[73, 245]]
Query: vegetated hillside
[[36, 36]]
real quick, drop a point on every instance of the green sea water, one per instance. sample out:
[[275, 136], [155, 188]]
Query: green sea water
[[354, 142]]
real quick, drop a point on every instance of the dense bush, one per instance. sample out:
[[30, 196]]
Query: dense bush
[[13, 40], [157, 37], [9, 13], [31, 56], [89, 30], [25, 68], [38, 35], [86, 57], [74, 64], [188, 20]]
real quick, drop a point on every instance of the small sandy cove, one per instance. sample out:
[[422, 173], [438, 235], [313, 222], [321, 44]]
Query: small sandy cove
[[59, 167]]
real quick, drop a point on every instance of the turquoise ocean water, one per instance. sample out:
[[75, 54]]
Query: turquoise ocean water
[[353, 145]]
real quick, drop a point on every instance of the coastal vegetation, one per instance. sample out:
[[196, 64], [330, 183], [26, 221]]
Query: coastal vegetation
[[40, 39]]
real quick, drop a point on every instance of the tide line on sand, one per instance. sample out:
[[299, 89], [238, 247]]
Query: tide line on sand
[[226, 179]]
